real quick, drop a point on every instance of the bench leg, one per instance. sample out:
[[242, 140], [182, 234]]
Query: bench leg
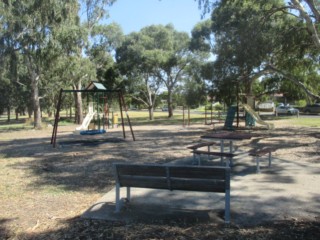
[[128, 194], [231, 146], [258, 164], [118, 204], [227, 207], [221, 149]]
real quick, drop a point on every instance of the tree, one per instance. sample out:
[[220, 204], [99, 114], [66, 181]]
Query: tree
[[249, 46], [133, 60], [107, 38], [171, 58], [30, 26], [156, 56]]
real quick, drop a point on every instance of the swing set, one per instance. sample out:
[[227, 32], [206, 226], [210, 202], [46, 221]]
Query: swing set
[[99, 107]]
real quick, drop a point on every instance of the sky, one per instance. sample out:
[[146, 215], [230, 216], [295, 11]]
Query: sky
[[132, 15]]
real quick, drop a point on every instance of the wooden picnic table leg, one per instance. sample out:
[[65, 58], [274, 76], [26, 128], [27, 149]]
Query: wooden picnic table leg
[[269, 158], [128, 194], [118, 206], [231, 150], [258, 164]]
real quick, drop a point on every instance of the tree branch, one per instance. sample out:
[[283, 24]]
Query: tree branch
[[294, 80]]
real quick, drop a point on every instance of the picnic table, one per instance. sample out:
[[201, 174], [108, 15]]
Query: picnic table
[[227, 136]]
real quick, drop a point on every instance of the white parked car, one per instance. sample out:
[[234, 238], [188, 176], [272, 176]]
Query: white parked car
[[286, 110]]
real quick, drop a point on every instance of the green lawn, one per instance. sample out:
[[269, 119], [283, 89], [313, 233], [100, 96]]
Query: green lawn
[[142, 118]]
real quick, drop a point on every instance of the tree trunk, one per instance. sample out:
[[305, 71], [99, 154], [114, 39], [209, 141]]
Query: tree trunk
[[79, 108], [17, 114], [78, 104], [35, 76], [8, 114], [30, 113], [150, 113], [170, 107], [36, 103]]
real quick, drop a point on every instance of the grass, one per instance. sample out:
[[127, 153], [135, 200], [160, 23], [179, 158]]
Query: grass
[[142, 118], [305, 122]]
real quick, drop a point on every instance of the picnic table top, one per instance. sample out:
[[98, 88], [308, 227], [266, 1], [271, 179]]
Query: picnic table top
[[229, 135]]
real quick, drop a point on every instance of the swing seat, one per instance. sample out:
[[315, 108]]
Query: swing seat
[[93, 132]]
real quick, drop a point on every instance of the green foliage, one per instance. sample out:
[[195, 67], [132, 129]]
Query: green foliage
[[218, 107], [155, 57], [301, 103], [258, 38]]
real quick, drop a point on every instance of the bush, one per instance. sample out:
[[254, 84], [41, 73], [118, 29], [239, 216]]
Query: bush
[[301, 103], [218, 107]]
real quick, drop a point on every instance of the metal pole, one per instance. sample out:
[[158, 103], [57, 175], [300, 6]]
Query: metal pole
[[126, 110], [188, 116], [122, 121], [55, 127], [183, 116], [205, 115]]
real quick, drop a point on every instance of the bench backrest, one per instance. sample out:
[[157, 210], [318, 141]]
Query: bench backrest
[[191, 178]]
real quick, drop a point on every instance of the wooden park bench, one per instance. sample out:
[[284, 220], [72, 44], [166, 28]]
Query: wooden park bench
[[258, 153], [173, 177]]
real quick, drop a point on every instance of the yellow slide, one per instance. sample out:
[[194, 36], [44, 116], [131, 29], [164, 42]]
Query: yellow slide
[[256, 116]]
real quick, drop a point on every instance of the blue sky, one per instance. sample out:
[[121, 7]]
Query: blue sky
[[132, 15]]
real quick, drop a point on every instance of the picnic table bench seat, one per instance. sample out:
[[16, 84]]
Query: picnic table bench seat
[[173, 177], [200, 145], [259, 152], [228, 156]]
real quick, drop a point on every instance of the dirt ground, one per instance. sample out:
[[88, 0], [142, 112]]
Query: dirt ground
[[44, 190]]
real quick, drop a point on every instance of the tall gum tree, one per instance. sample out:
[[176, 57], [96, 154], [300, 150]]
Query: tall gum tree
[[30, 25], [159, 56], [254, 38]]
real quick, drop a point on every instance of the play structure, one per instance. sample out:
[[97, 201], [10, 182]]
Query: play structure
[[97, 118], [255, 116], [251, 118], [231, 113], [86, 121]]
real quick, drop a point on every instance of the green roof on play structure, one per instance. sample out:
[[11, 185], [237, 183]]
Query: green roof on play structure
[[95, 86]]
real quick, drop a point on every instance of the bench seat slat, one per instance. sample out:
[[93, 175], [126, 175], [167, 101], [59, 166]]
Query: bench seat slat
[[144, 170], [202, 173], [220, 154], [143, 182], [198, 185], [261, 152], [200, 145]]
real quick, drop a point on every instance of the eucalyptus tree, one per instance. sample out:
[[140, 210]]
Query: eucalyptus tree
[[172, 60], [30, 26], [284, 36], [201, 71], [134, 63], [155, 57], [92, 13], [106, 39], [249, 47]]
